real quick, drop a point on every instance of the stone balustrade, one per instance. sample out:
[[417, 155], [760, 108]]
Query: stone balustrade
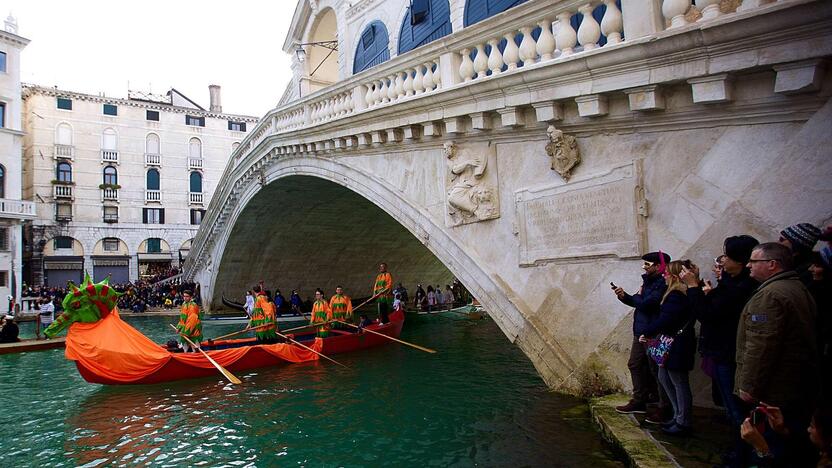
[[414, 80], [18, 209], [195, 163], [64, 151], [195, 198], [151, 159], [62, 191], [109, 156], [153, 195], [109, 194]]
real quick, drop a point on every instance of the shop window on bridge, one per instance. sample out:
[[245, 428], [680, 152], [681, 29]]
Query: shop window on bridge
[[373, 48], [420, 28], [196, 182], [153, 180], [154, 245]]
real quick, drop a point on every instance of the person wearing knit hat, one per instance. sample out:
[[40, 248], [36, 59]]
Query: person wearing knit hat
[[821, 289], [801, 239]]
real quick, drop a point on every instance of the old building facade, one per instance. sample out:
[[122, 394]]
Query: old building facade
[[120, 185]]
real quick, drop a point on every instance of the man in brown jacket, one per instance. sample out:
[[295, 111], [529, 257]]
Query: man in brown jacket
[[776, 344]]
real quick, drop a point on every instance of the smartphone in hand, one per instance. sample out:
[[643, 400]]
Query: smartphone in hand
[[612, 285]]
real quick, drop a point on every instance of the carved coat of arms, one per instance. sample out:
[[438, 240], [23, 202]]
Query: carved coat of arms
[[563, 150]]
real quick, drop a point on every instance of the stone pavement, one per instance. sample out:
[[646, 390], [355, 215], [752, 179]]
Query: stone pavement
[[644, 445]]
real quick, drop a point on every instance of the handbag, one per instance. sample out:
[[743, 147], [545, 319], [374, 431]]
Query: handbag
[[658, 348]]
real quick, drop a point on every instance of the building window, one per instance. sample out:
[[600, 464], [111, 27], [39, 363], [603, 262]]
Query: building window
[[196, 121], [2, 62], [152, 144], [64, 103], [2, 181], [62, 242], [195, 148], [196, 182], [196, 216], [424, 22], [3, 114], [237, 126], [110, 175], [153, 115], [154, 245], [153, 215], [4, 236], [110, 109], [64, 173], [109, 140], [153, 180], [4, 278], [63, 134], [110, 216], [63, 212], [373, 48], [110, 245]]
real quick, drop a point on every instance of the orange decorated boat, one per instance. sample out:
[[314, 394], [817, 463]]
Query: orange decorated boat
[[108, 351]]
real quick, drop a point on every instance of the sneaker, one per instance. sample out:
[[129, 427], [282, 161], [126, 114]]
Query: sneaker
[[633, 407], [659, 416], [676, 430]]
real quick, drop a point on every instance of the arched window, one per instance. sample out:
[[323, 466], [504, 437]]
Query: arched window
[[425, 22], [196, 182], [109, 140], [110, 175], [372, 47], [63, 134], [151, 144], [64, 173], [153, 179], [2, 181], [478, 10], [195, 148]]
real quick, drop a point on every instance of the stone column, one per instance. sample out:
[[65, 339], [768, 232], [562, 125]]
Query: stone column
[[449, 68]]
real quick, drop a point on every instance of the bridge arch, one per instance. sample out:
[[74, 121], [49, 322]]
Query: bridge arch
[[487, 286]]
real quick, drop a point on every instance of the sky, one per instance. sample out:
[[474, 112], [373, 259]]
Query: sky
[[94, 46]]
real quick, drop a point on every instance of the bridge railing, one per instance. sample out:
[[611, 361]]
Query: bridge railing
[[537, 35]]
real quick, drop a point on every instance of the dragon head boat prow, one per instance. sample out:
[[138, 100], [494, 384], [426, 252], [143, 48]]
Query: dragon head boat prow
[[87, 304]]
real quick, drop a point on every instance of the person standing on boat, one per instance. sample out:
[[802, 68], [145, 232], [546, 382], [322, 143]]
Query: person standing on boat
[[383, 289], [249, 307], [294, 299], [190, 322], [321, 313], [46, 315], [341, 306], [262, 317]]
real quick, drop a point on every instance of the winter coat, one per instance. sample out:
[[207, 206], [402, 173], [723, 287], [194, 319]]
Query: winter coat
[[646, 302], [719, 313], [675, 314], [776, 343]]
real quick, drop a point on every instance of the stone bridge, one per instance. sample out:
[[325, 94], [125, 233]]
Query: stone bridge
[[539, 175]]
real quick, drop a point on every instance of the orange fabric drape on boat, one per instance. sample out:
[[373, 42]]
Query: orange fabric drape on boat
[[113, 349]]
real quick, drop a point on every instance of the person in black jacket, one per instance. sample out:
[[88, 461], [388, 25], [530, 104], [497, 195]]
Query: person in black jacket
[[9, 331], [643, 370], [719, 312], [675, 320]]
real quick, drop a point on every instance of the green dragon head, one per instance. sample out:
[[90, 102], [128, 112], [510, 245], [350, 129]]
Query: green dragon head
[[89, 303]]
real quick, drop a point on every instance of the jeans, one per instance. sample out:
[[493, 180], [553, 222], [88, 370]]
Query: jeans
[[677, 387], [723, 380], [644, 374]]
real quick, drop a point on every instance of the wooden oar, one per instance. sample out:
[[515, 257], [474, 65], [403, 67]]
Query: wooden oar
[[247, 329], [228, 375], [310, 349], [421, 348], [368, 300], [311, 325]]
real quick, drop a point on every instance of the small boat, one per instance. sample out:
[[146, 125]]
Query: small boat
[[466, 312]]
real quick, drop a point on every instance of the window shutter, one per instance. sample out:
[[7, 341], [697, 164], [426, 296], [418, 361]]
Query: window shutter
[[435, 25], [161, 216], [144, 215]]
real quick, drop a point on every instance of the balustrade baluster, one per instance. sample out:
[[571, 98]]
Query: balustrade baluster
[[589, 32], [377, 92], [481, 61], [427, 79], [511, 54], [546, 40], [399, 85], [408, 83], [418, 84], [437, 75], [495, 57], [391, 88], [466, 67], [383, 92], [612, 22], [368, 97], [566, 37], [675, 10], [709, 9], [528, 48]]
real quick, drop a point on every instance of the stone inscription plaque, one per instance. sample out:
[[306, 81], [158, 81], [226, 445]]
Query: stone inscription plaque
[[596, 217]]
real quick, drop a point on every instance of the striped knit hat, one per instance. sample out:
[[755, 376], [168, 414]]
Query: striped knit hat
[[803, 236]]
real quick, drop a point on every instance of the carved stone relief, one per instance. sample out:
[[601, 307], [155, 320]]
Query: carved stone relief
[[563, 150], [471, 183]]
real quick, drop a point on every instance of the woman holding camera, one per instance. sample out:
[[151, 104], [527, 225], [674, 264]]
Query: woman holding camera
[[675, 320]]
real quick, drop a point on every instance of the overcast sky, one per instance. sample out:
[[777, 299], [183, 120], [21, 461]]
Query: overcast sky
[[94, 46]]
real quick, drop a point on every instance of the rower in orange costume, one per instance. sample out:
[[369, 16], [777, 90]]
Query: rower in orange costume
[[261, 319], [383, 290], [190, 322], [341, 306], [321, 313]]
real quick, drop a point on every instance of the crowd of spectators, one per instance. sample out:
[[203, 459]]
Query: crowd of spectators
[[435, 298], [764, 340]]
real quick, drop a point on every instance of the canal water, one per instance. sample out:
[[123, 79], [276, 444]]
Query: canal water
[[477, 402]]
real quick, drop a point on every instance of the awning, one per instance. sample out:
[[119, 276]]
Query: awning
[[115, 260], [155, 257], [63, 265]]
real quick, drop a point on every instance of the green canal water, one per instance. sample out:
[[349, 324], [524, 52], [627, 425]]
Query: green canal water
[[477, 402]]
